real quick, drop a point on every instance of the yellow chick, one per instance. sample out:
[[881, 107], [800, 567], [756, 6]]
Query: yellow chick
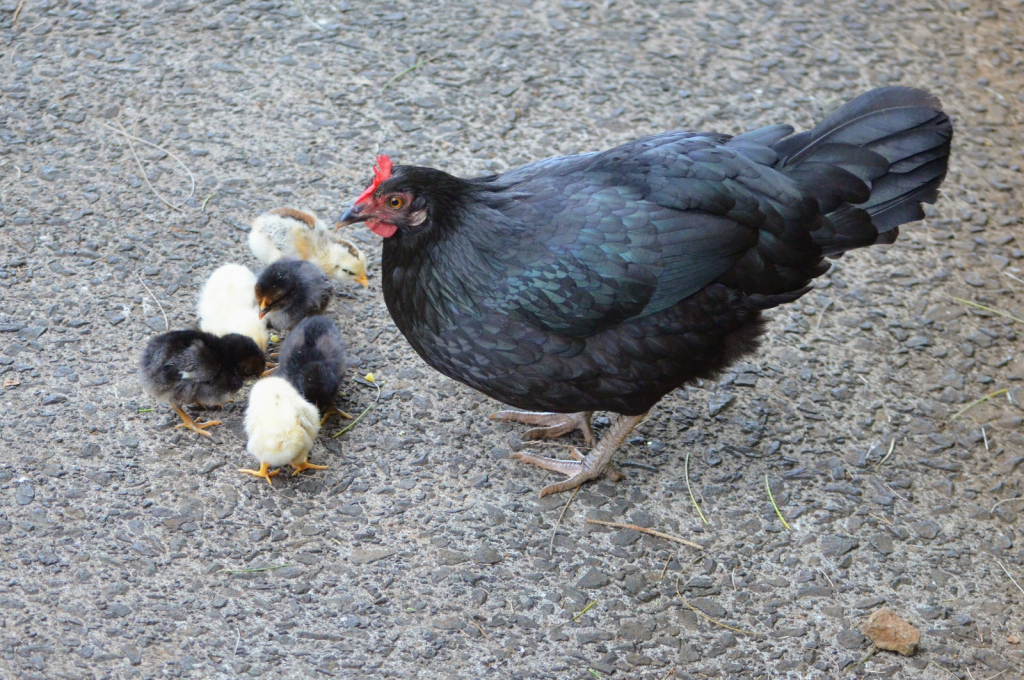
[[289, 232], [281, 427], [228, 305]]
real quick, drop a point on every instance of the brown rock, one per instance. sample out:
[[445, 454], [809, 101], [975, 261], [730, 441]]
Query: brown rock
[[889, 631]]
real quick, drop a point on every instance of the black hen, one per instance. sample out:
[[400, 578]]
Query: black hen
[[605, 280], [290, 290], [313, 360], [193, 367]]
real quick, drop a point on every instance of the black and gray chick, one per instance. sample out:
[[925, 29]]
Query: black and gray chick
[[313, 360], [290, 290], [193, 367]]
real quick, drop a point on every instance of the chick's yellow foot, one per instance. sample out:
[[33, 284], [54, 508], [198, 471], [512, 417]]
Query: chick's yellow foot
[[263, 472], [269, 371], [186, 421], [334, 412], [306, 465], [552, 425], [584, 468]]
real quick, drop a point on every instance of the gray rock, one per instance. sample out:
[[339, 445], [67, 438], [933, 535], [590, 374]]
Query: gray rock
[[594, 578], [488, 555], [836, 546], [24, 494]]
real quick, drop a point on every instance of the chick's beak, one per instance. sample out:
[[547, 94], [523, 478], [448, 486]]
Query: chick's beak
[[352, 215], [264, 304], [362, 280]]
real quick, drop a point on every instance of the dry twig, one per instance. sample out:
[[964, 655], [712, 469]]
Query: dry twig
[[142, 169], [705, 616], [167, 324], [652, 532], [974, 403], [686, 474], [551, 543]]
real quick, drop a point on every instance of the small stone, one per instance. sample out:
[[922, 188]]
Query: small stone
[[119, 609], [370, 556], [49, 173], [633, 631], [850, 639], [90, 450], [257, 535], [836, 546], [157, 323], [882, 544], [709, 607], [25, 494], [427, 102], [51, 399], [486, 555], [450, 558], [48, 558], [718, 402], [926, 529], [134, 654], [594, 578], [889, 631]]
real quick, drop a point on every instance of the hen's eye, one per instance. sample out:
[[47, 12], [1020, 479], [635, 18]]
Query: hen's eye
[[395, 202]]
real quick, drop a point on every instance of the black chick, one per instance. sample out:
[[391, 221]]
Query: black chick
[[313, 360], [290, 290], [193, 367]]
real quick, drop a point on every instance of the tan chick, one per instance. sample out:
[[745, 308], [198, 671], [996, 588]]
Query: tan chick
[[281, 427], [292, 233]]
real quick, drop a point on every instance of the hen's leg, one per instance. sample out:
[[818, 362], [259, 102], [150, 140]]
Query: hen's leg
[[187, 421], [262, 472], [551, 424], [584, 468]]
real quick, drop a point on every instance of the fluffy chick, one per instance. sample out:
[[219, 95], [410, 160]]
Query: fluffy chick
[[313, 360], [292, 233], [290, 290], [228, 305], [194, 367], [281, 427]]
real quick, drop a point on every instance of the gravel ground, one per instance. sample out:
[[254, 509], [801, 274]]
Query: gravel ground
[[131, 549]]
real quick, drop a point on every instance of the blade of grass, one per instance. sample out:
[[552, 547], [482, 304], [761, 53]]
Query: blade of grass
[[974, 403], [989, 309], [369, 378], [705, 616], [252, 571], [772, 499], [144, 410], [686, 473], [585, 610]]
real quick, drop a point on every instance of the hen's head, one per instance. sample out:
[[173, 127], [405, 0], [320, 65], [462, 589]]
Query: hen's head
[[403, 199]]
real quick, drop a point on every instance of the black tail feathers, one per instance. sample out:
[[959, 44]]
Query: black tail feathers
[[870, 165]]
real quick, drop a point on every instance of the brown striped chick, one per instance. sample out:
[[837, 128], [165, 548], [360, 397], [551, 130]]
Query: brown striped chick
[[288, 232]]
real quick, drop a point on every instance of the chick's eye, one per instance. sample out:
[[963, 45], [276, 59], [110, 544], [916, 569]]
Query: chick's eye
[[395, 202]]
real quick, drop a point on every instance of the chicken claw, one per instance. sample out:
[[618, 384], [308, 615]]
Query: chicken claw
[[306, 465], [552, 424], [334, 412], [263, 472], [199, 428], [584, 468]]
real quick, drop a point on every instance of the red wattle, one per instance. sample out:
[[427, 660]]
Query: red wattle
[[382, 228]]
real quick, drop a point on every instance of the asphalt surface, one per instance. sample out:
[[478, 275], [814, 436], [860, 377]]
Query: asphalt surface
[[132, 549]]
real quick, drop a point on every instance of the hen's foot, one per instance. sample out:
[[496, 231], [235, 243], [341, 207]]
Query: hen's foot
[[269, 371], [334, 412], [306, 465], [552, 425], [263, 472], [186, 421], [584, 468]]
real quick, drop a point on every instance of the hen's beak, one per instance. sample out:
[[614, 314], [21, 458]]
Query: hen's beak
[[351, 216], [362, 280]]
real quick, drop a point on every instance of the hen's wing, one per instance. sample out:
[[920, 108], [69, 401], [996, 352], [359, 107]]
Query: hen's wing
[[626, 233]]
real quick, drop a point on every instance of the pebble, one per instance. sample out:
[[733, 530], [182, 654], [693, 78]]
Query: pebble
[[888, 631], [593, 578], [25, 494]]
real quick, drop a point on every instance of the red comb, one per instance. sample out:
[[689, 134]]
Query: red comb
[[380, 173]]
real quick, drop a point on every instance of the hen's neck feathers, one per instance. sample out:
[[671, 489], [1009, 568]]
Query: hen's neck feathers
[[444, 268]]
